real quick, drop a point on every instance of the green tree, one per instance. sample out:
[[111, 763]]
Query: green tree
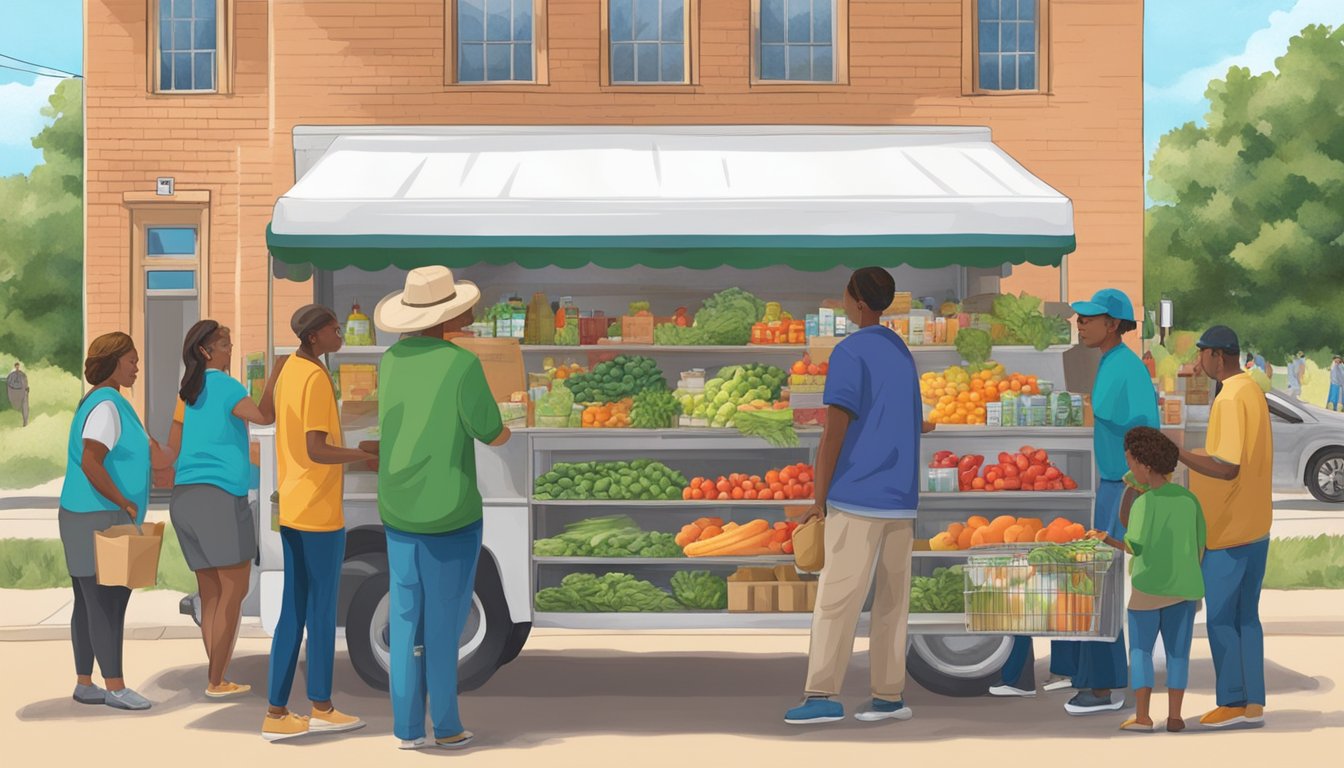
[[1248, 226], [42, 242]]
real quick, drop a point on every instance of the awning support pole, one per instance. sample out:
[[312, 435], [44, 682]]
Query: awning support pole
[[270, 312], [1064, 279]]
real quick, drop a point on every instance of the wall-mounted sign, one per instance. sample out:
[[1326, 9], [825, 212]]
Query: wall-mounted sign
[[165, 185]]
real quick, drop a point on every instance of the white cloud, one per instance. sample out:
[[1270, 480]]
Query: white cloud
[[1262, 48], [20, 110]]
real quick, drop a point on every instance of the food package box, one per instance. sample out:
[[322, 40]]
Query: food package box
[[791, 597], [809, 417], [1172, 411], [637, 329], [786, 572], [359, 381], [1197, 390], [826, 322], [741, 588], [804, 399], [900, 304]]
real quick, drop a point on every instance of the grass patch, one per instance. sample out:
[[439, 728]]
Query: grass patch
[[40, 564], [1306, 562], [35, 454]]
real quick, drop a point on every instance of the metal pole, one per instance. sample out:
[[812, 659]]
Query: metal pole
[[270, 311]]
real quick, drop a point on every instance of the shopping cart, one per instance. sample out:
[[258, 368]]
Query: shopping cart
[[1071, 592]]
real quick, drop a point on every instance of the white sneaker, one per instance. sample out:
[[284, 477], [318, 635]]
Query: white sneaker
[[1008, 690], [419, 743], [1057, 684]]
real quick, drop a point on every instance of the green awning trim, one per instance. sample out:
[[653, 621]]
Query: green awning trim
[[804, 253]]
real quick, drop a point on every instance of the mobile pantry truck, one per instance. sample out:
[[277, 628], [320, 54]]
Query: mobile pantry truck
[[669, 215]]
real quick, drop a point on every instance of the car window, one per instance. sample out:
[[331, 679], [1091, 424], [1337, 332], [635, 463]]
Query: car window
[[1280, 414]]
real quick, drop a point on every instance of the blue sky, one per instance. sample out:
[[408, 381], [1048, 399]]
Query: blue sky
[[1249, 33]]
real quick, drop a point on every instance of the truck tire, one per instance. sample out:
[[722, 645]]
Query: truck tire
[[1325, 476], [957, 665], [485, 639]]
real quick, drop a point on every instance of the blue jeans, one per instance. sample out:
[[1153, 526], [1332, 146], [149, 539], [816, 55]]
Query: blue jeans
[[1232, 579], [1332, 399], [1177, 625], [432, 577], [312, 583]]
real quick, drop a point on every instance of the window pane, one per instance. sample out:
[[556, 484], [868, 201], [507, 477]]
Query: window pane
[[1026, 38], [498, 20], [673, 56], [170, 280], [522, 61], [821, 21], [471, 63], [170, 241], [205, 35], [182, 9], [205, 71], [182, 71], [772, 21], [1026, 72], [622, 22], [165, 10], [989, 9], [646, 63], [989, 72], [622, 63], [165, 71], [1008, 73], [772, 62], [800, 62], [498, 61], [674, 21], [205, 9], [166, 36], [470, 21], [522, 20], [823, 64], [181, 36], [647, 17], [800, 21], [989, 37], [1026, 10]]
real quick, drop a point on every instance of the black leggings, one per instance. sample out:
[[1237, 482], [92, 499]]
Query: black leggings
[[97, 625]]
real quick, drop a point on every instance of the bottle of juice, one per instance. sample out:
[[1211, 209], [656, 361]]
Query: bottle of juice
[[358, 329]]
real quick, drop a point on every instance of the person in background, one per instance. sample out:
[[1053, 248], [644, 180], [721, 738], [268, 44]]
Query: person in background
[[434, 405], [209, 508], [1166, 536], [16, 383], [867, 488], [309, 459], [106, 484], [1334, 401], [1123, 398], [1297, 368], [1232, 477]]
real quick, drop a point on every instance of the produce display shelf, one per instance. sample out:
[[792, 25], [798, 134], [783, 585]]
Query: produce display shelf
[[656, 504], [790, 348], [372, 496], [675, 562], [1004, 498], [723, 432], [920, 623]]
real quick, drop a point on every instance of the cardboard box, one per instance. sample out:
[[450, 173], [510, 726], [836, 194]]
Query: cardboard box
[[502, 360], [742, 586], [791, 597], [765, 597], [637, 330], [900, 304], [126, 557]]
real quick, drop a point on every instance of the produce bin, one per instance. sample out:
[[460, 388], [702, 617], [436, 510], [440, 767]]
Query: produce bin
[[1044, 590]]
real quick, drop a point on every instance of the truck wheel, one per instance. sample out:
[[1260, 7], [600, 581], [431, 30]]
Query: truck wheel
[[957, 665], [1325, 476], [484, 641]]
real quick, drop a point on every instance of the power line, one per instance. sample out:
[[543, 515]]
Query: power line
[[42, 74], [35, 64]]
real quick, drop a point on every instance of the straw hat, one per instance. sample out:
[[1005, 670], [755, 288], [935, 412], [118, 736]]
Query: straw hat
[[431, 297]]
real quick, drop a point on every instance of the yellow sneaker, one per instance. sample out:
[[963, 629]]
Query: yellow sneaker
[[1223, 717], [333, 721], [455, 742], [281, 728], [227, 690], [1255, 713]]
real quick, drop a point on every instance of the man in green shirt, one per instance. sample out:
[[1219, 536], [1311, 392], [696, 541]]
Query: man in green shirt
[[1166, 534], [434, 405]]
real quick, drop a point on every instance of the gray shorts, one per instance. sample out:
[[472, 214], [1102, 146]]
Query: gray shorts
[[215, 527], [77, 530]]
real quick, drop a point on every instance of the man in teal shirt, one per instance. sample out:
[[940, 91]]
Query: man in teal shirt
[[434, 405]]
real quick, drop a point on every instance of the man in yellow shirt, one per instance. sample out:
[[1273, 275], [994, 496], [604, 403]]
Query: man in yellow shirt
[[1232, 479], [309, 459]]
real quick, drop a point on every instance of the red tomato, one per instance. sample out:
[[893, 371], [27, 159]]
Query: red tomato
[[738, 493], [966, 464], [1009, 470], [724, 486], [747, 485], [991, 475], [1022, 461], [804, 477], [1032, 472], [999, 485], [787, 547], [1040, 457], [1053, 473], [1070, 484], [1005, 457], [808, 490], [1012, 484], [779, 496], [1041, 484], [709, 490]]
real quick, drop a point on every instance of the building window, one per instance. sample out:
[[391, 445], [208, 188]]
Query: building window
[[189, 53], [496, 40], [648, 41], [157, 280], [1008, 45], [170, 241], [799, 41]]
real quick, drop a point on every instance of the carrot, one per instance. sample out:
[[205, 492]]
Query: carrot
[[709, 533], [728, 538], [749, 546]]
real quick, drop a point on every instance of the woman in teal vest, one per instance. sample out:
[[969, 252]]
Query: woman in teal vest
[[106, 484]]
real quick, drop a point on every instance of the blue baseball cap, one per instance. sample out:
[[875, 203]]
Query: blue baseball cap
[[1107, 301]]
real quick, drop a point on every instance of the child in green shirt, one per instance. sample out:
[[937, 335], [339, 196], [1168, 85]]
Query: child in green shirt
[[1166, 536]]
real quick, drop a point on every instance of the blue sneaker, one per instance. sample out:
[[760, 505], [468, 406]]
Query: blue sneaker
[[881, 709], [815, 709]]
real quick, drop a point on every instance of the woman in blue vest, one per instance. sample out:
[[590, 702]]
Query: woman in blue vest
[[106, 484], [209, 507]]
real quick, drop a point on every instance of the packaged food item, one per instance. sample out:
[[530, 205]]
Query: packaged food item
[[994, 414], [1173, 410], [1060, 409], [1076, 410], [797, 332], [940, 480], [813, 326], [1038, 411], [916, 330], [826, 321], [358, 329], [1008, 405], [841, 325]]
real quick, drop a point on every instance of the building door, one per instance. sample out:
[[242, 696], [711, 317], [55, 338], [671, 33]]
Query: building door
[[172, 306]]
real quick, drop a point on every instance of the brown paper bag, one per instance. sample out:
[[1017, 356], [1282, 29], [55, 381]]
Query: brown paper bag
[[809, 545], [125, 557]]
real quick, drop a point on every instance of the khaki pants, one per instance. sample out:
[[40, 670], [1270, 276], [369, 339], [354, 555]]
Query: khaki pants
[[853, 545]]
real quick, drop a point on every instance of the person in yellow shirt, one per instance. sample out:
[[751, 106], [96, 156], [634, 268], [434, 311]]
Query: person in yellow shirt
[[1232, 479], [309, 459]]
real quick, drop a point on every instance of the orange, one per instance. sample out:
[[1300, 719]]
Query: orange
[[964, 539], [1003, 521], [954, 530], [976, 521], [978, 537], [1012, 533]]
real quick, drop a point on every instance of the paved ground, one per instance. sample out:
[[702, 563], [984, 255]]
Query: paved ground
[[673, 700]]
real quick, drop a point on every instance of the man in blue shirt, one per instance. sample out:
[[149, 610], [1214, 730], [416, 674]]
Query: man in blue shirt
[[1123, 398]]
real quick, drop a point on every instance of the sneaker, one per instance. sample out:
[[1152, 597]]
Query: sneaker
[[815, 709], [1009, 690], [1057, 684], [333, 721], [126, 699], [90, 694], [281, 728], [1133, 724], [1255, 713], [455, 742], [1224, 716], [227, 690], [881, 709], [413, 743], [1085, 703]]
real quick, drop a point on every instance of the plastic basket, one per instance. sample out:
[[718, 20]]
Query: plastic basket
[[1010, 591]]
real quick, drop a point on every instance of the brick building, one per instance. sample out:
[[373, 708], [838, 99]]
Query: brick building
[[209, 92]]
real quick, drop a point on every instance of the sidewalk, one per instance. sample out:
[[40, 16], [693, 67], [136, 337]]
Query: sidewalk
[[44, 614]]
